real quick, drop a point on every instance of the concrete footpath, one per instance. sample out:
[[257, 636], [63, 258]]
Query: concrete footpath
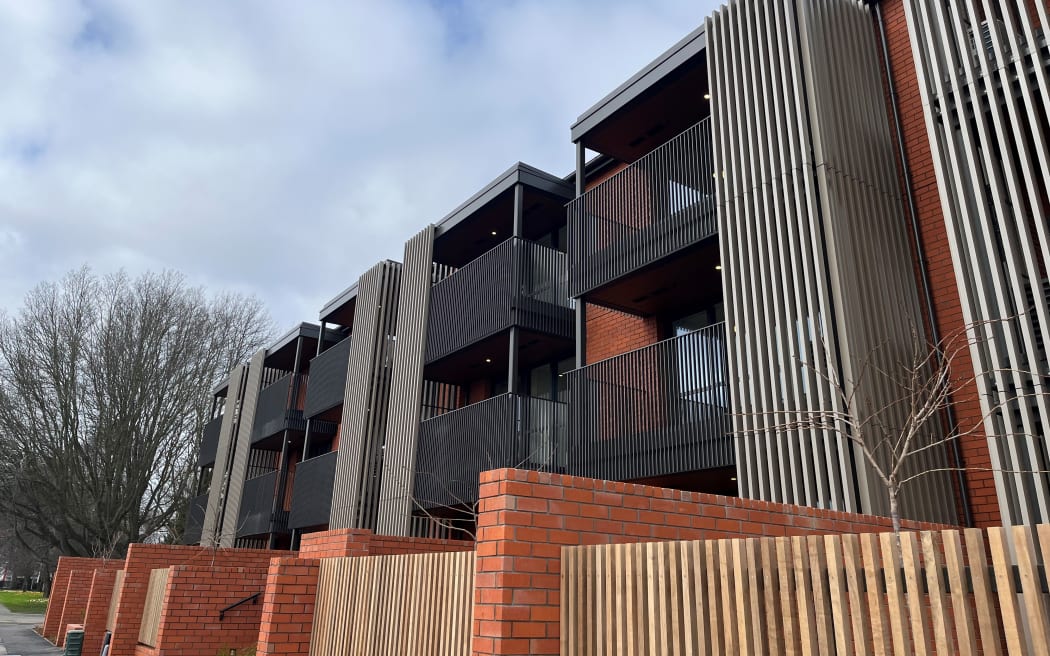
[[17, 637]]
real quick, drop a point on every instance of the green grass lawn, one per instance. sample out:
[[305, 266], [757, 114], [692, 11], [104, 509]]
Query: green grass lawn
[[23, 602]]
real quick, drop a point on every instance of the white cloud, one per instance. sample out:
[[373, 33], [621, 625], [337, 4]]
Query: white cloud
[[282, 148]]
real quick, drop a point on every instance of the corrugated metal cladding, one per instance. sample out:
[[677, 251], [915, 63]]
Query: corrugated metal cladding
[[213, 511], [231, 513], [402, 431], [984, 75], [355, 490], [818, 280]]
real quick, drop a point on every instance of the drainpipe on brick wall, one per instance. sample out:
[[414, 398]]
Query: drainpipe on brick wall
[[909, 193]]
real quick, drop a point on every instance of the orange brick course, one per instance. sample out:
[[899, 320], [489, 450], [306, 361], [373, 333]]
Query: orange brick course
[[362, 542], [611, 332], [53, 625], [143, 558], [75, 602], [526, 517]]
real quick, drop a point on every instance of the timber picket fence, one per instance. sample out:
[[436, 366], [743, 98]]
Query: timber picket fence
[[392, 605], [965, 592], [150, 627], [118, 585]]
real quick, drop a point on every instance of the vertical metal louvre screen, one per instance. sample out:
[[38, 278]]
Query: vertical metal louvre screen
[[216, 491], [355, 493], [241, 447], [817, 277], [984, 76]]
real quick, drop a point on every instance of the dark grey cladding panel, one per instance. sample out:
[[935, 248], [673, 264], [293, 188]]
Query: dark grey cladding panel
[[312, 494], [191, 533], [327, 379], [209, 442], [257, 505], [402, 433], [355, 488]]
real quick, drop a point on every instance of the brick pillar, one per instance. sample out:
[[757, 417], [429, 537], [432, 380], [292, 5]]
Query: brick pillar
[[60, 584], [288, 607], [97, 611], [74, 604]]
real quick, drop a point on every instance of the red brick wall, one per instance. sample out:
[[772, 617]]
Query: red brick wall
[[143, 558], [288, 607], [610, 332], [362, 542], [525, 518], [933, 234], [59, 584], [76, 598], [189, 623], [97, 611]]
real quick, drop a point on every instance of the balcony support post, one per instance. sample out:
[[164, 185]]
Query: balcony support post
[[581, 307]]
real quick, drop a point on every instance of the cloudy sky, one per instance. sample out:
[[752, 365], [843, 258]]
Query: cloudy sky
[[282, 148]]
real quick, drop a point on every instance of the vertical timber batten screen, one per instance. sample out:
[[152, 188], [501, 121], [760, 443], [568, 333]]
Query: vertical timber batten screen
[[993, 170], [663, 202], [393, 605], [114, 600], [659, 410], [151, 609], [240, 449], [818, 283], [217, 490], [827, 594], [357, 482]]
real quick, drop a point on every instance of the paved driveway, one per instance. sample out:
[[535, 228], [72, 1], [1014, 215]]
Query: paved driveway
[[17, 637]]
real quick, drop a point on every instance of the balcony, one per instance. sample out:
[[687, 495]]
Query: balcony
[[657, 411], [312, 492], [191, 533], [648, 214], [505, 431], [280, 408], [257, 506], [209, 442], [517, 283], [327, 379]]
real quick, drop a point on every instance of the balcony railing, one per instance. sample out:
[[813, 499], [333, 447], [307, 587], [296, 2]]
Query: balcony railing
[[517, 283], [505, 431], [327, 379], [659, 410], [658, 205], [209, 442], [191, 534], [312, 493], [278, 408], [257, 506]]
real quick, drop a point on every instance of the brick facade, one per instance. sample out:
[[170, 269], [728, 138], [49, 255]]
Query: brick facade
[[933, 234], [60, 584], [195, 594], [611, 332], [144, 558], [525, 518]]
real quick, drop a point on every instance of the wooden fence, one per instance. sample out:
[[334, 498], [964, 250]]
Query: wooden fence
[[111, 614], [158, 580], [379, 605], [949, 592]]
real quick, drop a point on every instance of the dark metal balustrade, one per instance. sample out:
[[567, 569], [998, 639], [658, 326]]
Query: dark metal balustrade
[[312, 493], [505, 431], [191, 532], [276, 409], [257, 506], [209, 442], [659, 410], [517, 283], [327, 379], [658, 205]]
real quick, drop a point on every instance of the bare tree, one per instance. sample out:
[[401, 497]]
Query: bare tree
[[896, 438], [105, 386]]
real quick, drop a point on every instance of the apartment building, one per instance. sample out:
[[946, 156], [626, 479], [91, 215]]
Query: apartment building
[[795, 195]]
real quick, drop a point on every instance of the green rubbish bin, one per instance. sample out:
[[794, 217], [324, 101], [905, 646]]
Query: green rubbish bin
[[74, 642]]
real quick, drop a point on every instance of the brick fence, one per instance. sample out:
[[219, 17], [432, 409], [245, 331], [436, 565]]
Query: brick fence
[[525, 518], [143, 558], [97, 611], [60, 585]]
